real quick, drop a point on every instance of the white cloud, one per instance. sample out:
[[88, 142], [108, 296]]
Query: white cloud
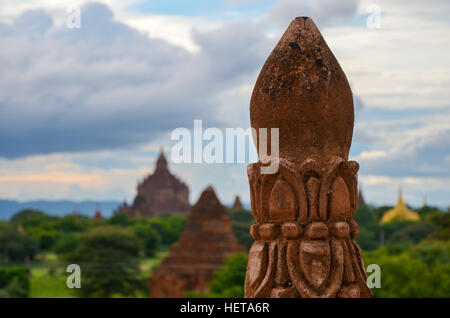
[[75, 176], [372, 154], [323, 12], [107, 86], [420, 156], [383, 189], [123, 81]]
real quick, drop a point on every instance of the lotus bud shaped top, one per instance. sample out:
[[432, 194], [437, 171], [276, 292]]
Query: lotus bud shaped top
[[303, 91]]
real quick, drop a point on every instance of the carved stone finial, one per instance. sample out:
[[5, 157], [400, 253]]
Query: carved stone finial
[[304, 225]]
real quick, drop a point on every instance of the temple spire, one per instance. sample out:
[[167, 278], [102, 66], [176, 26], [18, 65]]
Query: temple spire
[[400, 195], [237, 204], [400, 212], [161, 162], [207, 240], [361, 200]]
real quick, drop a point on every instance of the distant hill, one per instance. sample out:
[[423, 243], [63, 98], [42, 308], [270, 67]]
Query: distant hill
[[58, 208]]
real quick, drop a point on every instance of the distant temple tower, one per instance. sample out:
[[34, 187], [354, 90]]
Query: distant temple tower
[[20, 229], [98, 215], [160, 192], [425, 202], [237, 203], [205, 243], [361, 200], [400, 212]]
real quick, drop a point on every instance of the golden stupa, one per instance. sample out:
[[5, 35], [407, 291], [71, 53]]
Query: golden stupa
[[400, 212]]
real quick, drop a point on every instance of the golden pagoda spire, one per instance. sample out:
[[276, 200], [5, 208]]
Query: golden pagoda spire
[[400, 196], [400, 212]]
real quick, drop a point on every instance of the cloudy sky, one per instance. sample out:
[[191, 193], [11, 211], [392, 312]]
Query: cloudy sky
[[84, 111]]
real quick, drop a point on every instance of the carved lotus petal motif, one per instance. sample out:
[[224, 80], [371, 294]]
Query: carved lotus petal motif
[[283, 205], [315, 260], [340, 200], [257, 264]]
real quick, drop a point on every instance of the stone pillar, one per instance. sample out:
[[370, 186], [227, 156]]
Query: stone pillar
[[304, 225]]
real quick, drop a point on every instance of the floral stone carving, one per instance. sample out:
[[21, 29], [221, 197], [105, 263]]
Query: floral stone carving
[[304, 227]]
